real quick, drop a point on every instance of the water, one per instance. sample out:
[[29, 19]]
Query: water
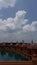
[[11, 56]]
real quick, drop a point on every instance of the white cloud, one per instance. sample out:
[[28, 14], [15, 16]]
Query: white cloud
[[14, 23], [26, 28], [16, 28], [34, 26], [30, 27], [18, 23], [7, 3]]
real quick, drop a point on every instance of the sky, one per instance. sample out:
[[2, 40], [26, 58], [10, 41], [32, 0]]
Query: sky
[[18, 20]]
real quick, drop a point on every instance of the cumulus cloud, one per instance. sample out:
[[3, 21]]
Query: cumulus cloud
[[30, 27], [14, 24], [18, 23], [7, 3], [17, 28]]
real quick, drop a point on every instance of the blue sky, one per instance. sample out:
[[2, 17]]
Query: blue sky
[[18, 20]]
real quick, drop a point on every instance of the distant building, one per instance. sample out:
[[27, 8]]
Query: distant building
[[22, 41], [32, 41]]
